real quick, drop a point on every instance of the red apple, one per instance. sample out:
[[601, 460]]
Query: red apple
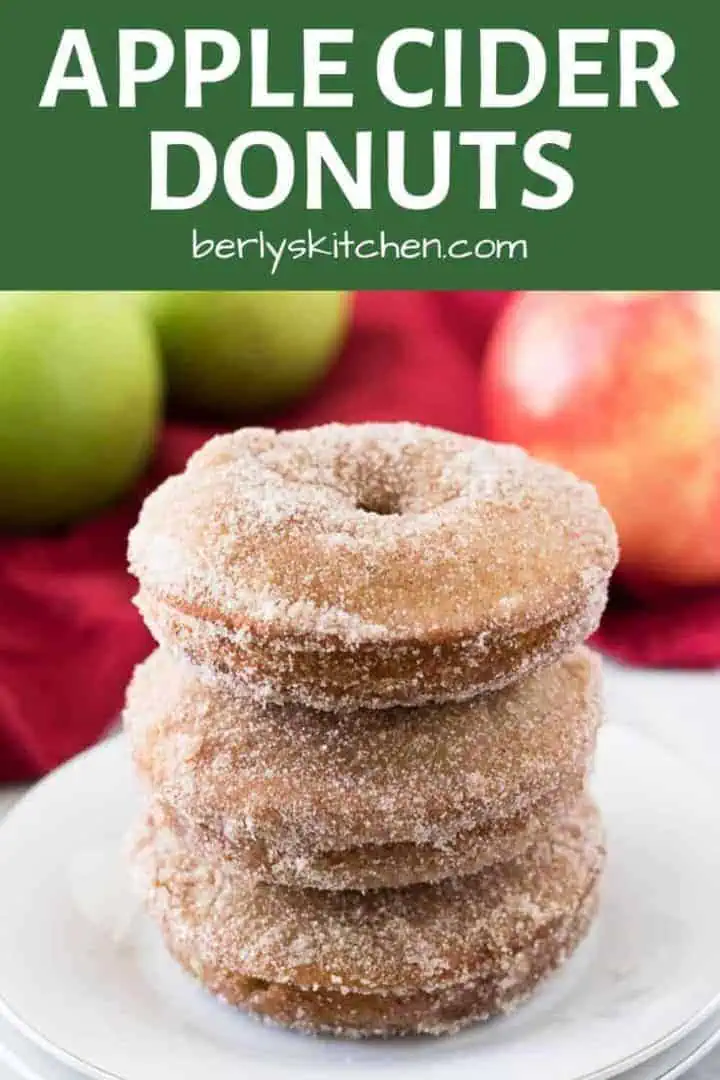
[[624, 390]]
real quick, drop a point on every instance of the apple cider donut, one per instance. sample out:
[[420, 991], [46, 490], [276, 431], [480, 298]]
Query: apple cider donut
[[368, 799], [427, 958], [371, 565]]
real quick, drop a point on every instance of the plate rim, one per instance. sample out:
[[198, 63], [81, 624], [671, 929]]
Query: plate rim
[[697, 1053]]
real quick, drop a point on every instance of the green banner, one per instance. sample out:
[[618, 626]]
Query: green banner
[[408, 145]]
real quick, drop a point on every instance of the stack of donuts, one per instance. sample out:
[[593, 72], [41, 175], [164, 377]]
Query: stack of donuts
[[366, 735]]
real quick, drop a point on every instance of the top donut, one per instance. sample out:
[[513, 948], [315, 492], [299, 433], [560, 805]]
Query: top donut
[[371, 565]]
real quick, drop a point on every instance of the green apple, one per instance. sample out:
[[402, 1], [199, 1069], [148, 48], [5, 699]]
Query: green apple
[[80, 397], [233, 353]]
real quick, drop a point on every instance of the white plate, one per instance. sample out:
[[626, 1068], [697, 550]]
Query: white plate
[[83, 973], [26, 1061]]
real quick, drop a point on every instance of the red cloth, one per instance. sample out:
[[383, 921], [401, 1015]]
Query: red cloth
[[69, 636]]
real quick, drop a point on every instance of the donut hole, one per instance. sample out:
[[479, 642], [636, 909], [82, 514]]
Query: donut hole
[[383, 504]]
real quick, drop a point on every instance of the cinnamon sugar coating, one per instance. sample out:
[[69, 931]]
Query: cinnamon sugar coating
[[371, 565], [366, 737], [363, 799], [427, 958]]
